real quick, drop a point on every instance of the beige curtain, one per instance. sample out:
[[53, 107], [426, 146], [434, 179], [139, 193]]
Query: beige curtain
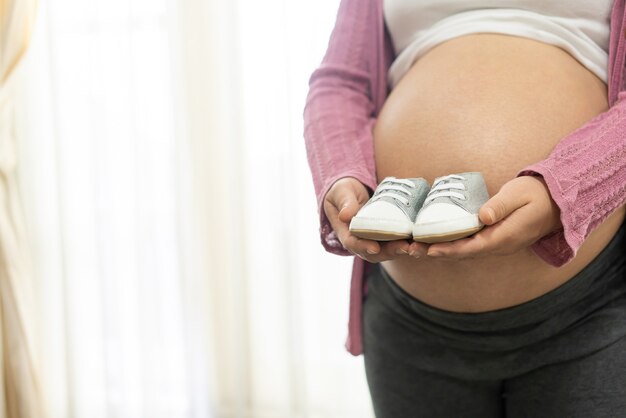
[[19, 383]]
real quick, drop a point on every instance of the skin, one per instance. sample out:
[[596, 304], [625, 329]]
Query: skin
[[518, 215]]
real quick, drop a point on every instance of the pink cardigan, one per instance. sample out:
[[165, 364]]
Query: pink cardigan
[[585, 173]]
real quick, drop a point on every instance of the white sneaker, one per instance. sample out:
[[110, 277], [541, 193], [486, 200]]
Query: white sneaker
[[450, 210], [390, 213]]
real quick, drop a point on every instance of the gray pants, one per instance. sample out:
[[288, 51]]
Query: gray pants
[[562, 355]]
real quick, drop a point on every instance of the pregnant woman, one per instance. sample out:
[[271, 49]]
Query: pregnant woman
[[526, 318]]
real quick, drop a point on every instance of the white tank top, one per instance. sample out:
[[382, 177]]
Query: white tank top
[[580, 27]]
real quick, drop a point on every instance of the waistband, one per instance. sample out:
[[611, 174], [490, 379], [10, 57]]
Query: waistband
[[601, 281]]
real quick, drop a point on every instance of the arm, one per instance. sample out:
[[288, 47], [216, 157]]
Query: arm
[[339, 113], [554, 204], [586, 177]]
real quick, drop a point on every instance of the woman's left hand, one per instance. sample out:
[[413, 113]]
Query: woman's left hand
[[518, 215]]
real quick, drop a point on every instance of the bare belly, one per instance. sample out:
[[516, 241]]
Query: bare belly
[[495, 104]]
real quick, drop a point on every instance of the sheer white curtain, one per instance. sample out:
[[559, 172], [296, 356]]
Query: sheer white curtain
[[99, 168], [172, 215]]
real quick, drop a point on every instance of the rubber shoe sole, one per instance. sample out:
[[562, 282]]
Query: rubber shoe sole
[[380, 229], [444, 231]]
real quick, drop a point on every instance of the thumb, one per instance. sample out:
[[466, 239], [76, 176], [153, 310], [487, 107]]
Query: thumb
[[345, 196], [348, 207], [501, 205]]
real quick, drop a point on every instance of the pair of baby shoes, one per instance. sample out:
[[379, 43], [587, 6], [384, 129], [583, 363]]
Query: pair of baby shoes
[[410, 208]]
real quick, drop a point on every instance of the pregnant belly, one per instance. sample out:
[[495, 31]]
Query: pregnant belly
[[489, 103]]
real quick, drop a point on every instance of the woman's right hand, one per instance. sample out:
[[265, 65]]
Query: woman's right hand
[[344, 199]]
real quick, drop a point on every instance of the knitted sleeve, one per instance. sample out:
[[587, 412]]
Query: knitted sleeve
[[586, 176], [339, 113]]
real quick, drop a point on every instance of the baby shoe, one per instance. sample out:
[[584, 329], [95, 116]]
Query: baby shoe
[[390, 213], [450, 210]]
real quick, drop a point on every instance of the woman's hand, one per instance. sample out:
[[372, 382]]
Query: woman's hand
[[342, 202], [517, 216]]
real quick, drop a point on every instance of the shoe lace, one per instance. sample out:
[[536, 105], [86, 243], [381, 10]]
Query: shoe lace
[[443, 187], [393, 187]]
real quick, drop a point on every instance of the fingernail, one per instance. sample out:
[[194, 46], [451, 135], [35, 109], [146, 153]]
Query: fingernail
[[435, 254], [414, 254], [492, 214], [370, 251], [401, 251]]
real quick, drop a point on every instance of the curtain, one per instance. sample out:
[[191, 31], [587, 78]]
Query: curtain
[[172, 216], [20, 393]]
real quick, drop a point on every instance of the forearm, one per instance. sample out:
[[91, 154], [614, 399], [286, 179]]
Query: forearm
[[586, 177], [339, 113], [338, 145]]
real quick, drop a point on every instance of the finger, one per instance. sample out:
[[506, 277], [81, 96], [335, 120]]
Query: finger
[[489, 240], [460, 249], [418, 249], [389, 250], [395, 248], [349, 209], [502, 204], [359, 246], [350, 242], [341, 227], [346, 202]]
